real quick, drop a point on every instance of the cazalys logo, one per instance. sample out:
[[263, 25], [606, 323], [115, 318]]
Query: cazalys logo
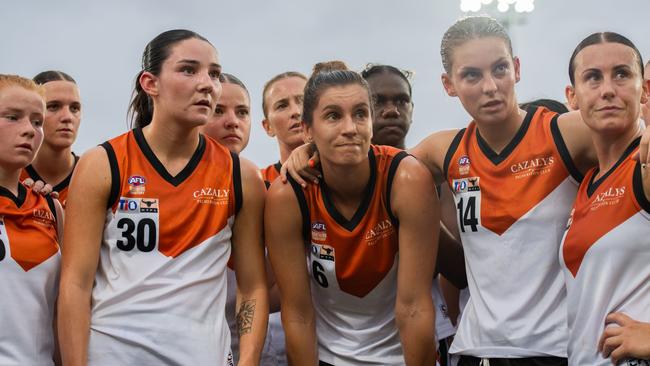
[[136, 184]]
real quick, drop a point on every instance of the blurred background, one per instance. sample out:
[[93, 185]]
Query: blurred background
[[100, 44]]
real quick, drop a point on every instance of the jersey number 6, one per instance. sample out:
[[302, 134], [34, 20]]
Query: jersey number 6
[[319, 274]]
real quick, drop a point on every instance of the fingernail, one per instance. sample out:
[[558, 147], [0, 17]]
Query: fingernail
[[311, 163]]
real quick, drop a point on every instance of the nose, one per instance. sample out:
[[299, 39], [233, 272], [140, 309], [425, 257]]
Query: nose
[[489, 85], [66, 115], [607, 90], [390, 110], [230, 120], [206, 84], [348, 126], [296, 110], [28, 129]]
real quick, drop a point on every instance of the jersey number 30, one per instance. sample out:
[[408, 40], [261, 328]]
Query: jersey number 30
[[467, 214], [142, 235]]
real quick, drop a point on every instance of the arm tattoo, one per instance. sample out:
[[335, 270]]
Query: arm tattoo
[[245, 317]]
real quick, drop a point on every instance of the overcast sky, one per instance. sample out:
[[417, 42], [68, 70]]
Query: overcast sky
[[100, 44]]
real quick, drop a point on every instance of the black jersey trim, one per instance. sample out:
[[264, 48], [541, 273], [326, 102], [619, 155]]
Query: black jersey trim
[[304, 209], [637, 187], [497, 159], [115, 174], [50, 204], [392, 169], [31, 171], [236, 181], [564, 151], [349, 225], [19, 199], [451, 151], [160, 168], [277, 166], [592, 186]]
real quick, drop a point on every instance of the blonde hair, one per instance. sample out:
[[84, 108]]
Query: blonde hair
[[15, 80]]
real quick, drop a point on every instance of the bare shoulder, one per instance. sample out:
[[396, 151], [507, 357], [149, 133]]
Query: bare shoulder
[[432, 151], [93, 170], [577, 138]]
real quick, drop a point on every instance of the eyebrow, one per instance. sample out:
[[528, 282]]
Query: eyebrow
[[283, 100], [194, 62]]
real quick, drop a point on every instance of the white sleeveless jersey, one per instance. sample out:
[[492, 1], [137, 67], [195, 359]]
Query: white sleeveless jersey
[[160, 289], [29, 270], [606, 257], [353, 269], [444, 327], [512, 208]]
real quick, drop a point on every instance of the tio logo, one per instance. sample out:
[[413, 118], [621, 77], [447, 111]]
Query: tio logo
[[127, 205]]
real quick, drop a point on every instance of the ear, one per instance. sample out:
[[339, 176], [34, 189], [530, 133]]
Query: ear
[[448, 85], [267, 127], [646, 91], [307, 133], [570, 93], [517, 64], [149, 83]]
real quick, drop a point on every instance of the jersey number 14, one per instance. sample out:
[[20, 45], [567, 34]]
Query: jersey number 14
[[467, 213]]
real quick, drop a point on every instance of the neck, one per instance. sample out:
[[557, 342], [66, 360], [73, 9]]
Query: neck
[[170, 140], [610, 148], [53, 165], [498, 137], [346, 183], [9, 179], [285, 151]]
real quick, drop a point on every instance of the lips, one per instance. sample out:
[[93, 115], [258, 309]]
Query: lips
[[492, 103], [25, 146], [296, 127], [609, 108], [203, 103]]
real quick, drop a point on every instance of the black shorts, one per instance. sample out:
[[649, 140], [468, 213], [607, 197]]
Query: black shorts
[[528, 361]]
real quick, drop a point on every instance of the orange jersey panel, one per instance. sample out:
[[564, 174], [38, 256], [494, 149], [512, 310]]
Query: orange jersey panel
[[271, 172], [191, 207], [513, 181], [364, 248], [28, 223], [601, 206]]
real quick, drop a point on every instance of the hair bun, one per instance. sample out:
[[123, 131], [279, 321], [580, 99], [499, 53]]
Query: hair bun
[[329, 66]]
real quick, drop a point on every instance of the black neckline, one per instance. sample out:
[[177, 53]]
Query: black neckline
[[365, 202], [278, 166], [160, 168], [592, 186], [18, 200], [495, 158], [31, 171]]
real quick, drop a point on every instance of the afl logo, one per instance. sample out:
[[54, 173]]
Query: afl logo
[[463, 165], [318, 231], [136, 184]]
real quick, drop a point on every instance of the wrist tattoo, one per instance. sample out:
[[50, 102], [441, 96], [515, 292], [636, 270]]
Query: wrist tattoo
[[245, 317]]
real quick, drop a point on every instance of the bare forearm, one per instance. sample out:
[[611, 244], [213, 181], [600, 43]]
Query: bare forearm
[[416, 324], [252, 319], [73, 325], [301, 341]]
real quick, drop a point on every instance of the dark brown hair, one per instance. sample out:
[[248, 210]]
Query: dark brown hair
[[153, 57], [324, 76]]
